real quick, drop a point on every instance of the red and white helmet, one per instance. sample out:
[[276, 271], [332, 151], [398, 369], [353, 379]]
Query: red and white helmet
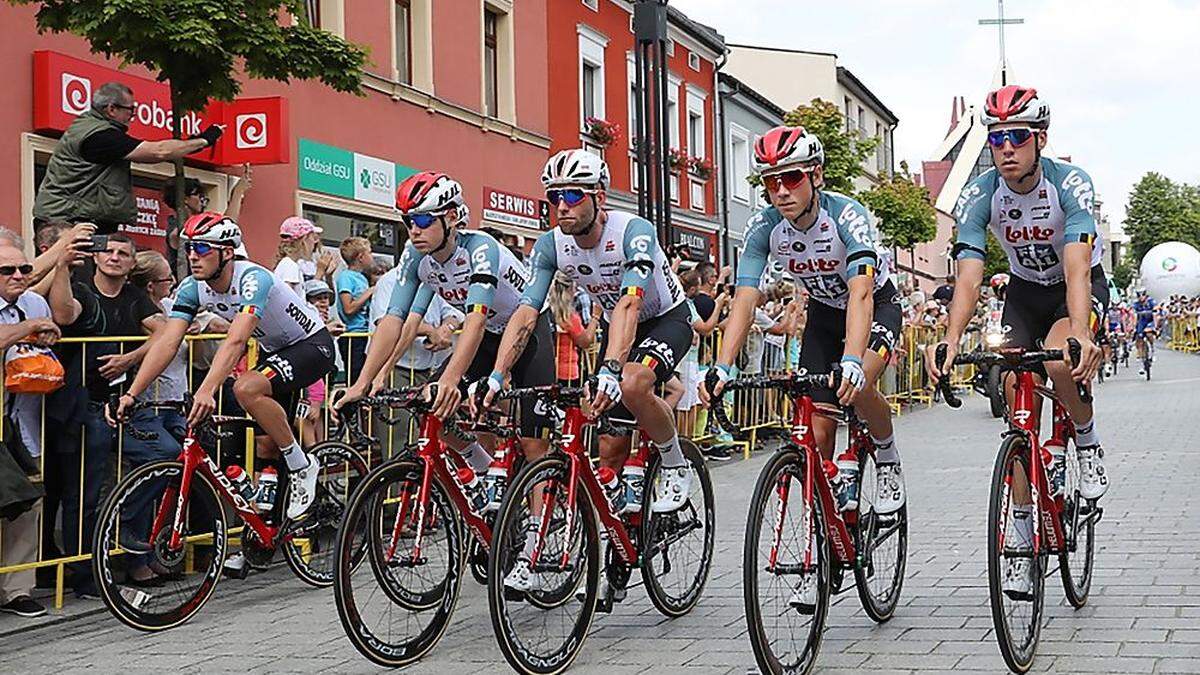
[[213, 228], [1015, 103], [430, 192], [784, 148], [575, 167]]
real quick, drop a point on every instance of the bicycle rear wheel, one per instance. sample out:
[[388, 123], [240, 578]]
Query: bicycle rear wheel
[[541, 636], [1018, 622], [122, 544], [677, 547], [1079, 525], [397, 608], [882, 543], [309, 549], [784, 639]]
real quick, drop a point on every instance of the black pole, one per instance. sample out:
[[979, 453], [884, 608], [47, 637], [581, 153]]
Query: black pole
[[650, 29]]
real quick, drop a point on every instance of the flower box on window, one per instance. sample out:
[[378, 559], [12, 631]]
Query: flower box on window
[[701, 168], [603, 132]]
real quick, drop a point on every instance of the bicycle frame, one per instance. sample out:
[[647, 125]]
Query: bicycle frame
[[1024, 420]]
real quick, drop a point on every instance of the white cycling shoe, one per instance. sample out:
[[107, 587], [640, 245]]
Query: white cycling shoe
[[302, 488], [1018, 579], [890, 494], [672, 490], [524, 580], [804, 596], [1093, 479]]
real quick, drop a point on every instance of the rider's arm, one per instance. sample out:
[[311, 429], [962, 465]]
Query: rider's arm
[[543, 263], [750, 269], [1077, 266], [229, 353], [860, 308], [973, 213], [862, 263], [485, 266], [388, 342], [968, 279], [640, 243], [164, 343]]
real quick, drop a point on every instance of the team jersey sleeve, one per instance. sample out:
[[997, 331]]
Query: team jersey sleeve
[[753, 263], [1075, 195], [543, 263], [858, 236], [407, 284], [253, 289], [640, 243], [187, 301], [485, 268], [972, 214]]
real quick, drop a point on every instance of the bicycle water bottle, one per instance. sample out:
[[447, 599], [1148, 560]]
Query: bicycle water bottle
[[1054, 458], [847, 492], [241, 482], [612, 489], [268, 485], [495, 480], [635, 478], [473, 487]]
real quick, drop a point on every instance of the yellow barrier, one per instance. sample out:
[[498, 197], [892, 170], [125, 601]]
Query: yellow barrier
[[1185, 335]]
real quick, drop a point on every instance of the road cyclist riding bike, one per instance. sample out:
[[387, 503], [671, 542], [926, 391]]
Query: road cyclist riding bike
[[1040, 210], [1144, 309], [826, 241]]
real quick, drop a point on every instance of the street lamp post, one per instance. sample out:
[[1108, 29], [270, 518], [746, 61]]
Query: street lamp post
[[653, 126]]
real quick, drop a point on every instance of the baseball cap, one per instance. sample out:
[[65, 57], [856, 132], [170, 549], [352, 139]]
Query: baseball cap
[[296, 227], [316, 287]]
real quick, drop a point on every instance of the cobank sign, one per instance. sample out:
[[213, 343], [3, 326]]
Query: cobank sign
[[344, 173]]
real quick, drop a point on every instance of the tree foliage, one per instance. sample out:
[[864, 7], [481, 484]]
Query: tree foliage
[[1122, 274], [995, 260], [903, 209], [845, 150], [1161, 210]]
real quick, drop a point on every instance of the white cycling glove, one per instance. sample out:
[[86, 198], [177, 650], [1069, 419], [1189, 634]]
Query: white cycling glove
[[853, 373], [609, 384], [493, 382]]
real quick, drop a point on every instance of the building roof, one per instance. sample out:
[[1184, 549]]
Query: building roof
[[742, 88], [707, 35], [781, 49], [850, 81]]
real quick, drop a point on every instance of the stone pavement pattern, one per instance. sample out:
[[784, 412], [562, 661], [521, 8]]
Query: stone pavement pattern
[[1143, 615]]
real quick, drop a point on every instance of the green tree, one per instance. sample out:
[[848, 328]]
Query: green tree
[[1123, 274], [995, 260], [906, 216], [1161, 210], [845, 151], [198, 47]]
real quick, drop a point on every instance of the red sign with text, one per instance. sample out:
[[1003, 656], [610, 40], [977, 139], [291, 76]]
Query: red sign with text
[[256, 129], [150, 230], [515, 209]]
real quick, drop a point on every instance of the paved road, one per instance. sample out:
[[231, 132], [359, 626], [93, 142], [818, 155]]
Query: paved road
[[1143, 616]]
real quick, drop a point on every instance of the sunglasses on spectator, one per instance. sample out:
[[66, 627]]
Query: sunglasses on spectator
[[9, 270], [1018, 137], [421, 220], [200, 248], [790, 179], [131, 107], [571, 196]]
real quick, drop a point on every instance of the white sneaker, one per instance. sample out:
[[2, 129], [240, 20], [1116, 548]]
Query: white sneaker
[[523, 579], [673, 489], [1093, 479], [804, 596], [302, 488], [889, 488], [1018, 578]]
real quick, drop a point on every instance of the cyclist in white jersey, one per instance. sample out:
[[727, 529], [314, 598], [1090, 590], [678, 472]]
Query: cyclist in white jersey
[[477, 275], [615, 257], [1040, 210], [298, 350]]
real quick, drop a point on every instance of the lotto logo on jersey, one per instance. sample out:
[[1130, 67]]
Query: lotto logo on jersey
[[815, 266], [640, 243], [249, 287], [1080, 188], [1025, 234], [479, 259]]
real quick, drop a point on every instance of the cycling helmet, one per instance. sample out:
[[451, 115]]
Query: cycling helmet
[[1015, 103], [429, 192], [784, 148], [213, 228], [999, 280], [575, 167]]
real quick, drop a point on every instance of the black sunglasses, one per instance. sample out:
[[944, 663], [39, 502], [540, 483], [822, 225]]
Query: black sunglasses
[[9, 270]]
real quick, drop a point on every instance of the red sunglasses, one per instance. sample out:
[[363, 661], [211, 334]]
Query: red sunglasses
[[790, 179]]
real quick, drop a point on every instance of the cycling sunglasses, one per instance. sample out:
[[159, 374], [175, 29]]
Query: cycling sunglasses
[[420, 220], [571, 196], [790, 179], [9, 270], [200, 248], [1017, 137]]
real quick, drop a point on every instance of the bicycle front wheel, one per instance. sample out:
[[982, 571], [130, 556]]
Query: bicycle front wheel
[[785, 633], [309, 549], [133, 537], [1079, 525], [1017, 619]]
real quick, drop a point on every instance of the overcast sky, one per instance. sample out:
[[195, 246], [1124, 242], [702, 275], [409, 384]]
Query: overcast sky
[[1122, 78]]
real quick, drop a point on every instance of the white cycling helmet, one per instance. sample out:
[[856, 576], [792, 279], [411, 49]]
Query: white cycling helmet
[[1015, 103], [213, 228], [575, 167]]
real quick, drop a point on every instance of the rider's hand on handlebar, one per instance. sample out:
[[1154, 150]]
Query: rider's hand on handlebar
[[714, 383], [342, 398], [607, 391], [203, 405], [935, 369], [853, 379], [1089, 361], [482, 392], [446, 398]]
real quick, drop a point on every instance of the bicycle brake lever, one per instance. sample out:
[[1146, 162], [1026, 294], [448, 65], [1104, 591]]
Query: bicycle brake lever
[[1075, 351], [944, 383]]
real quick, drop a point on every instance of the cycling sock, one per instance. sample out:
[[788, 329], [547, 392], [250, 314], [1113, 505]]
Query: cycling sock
[[476, 456], [886, 451], [532, 525], [294, 456], [1086, 435], [1023, 524], [671, 453]]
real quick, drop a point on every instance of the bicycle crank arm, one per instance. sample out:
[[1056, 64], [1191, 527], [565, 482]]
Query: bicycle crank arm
[[409, 562], [552, 567]]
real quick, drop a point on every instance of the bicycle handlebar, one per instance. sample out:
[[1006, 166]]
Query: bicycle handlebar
[[1012, 359], [213, 422], [794, 383]]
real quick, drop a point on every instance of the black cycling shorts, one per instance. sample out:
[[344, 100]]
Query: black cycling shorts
[[293, 368], [660, 343], [1031, 309], [824, 338], [535, 367]]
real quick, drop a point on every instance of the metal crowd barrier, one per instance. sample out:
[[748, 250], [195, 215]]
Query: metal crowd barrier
[[1184, 334]]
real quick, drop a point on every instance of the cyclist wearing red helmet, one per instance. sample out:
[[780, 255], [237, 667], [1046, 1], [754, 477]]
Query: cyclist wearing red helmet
[[1040, 210], [298, 349]]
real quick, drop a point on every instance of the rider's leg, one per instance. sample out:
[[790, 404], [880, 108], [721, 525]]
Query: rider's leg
[[1093, 478], [653, 414], [252, 390], [873, 408]]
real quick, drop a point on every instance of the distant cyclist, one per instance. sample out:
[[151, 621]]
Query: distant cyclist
[[1145, 311], [297, 348]]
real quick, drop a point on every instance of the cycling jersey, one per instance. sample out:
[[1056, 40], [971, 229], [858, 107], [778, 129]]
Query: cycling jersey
[[841, 243], [284, 318], [1032, 228], [627, 261], [481, 277], [1144, 311]]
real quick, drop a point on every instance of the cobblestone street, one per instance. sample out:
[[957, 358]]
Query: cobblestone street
[[1143, 615]]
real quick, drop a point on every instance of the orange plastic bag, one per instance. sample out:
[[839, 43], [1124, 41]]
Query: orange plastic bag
[[30, 369]]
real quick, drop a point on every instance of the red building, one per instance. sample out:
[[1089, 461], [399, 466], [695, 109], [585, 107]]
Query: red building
[[591, 46], [453, 85]]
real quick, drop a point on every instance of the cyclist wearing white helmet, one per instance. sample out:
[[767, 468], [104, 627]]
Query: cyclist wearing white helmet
[[616, 258], [1040, 211], [298, 349]]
